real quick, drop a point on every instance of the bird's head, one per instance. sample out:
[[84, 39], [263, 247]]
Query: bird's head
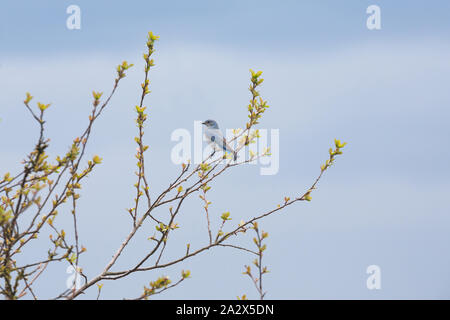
[[211, 124]]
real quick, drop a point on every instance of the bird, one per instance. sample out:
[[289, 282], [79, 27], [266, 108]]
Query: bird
[[216, 139]]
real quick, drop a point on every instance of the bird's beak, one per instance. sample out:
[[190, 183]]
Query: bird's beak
[[204, 123]]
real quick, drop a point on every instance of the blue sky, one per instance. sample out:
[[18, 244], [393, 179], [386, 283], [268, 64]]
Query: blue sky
[[327, 76]]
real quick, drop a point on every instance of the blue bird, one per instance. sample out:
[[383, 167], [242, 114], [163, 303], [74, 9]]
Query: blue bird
[[216, 139]]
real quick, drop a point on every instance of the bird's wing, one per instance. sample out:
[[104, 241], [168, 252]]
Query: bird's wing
[[215, 136], [227, 146]]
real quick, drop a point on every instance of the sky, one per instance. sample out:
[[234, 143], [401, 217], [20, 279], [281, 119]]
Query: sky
[[384, 92]]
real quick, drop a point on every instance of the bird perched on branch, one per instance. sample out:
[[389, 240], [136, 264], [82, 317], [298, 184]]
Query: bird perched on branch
[[216, 139]]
